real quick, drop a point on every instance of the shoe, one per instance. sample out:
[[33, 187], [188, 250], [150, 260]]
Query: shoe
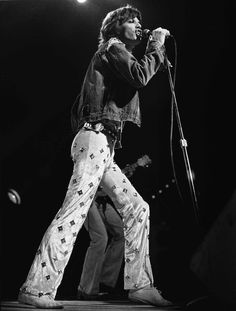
[[106, 289], [43, 302], [149, 295], [110, 293], [83, 296], [109, 296]]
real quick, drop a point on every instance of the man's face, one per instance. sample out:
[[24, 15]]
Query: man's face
[[130, 31]]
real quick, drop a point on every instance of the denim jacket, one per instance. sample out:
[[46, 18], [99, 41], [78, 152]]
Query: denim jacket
[[110, 87]]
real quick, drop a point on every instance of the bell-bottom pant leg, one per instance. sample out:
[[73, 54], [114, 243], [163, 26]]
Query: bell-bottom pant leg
[[91, 153], [92, 267], [115, 250], [135, 213]]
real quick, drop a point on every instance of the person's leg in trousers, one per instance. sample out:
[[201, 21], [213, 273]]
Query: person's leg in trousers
[[90, 276], [91, 153], [135, 214], [115, 251], [138, 277]]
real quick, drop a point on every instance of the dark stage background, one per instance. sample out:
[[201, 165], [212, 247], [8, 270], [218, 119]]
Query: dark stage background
[[45, 49]]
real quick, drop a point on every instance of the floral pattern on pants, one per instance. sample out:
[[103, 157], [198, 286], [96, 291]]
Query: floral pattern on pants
[[92, 154]]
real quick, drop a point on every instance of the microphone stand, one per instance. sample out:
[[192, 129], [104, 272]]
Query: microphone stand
[[183, 143]]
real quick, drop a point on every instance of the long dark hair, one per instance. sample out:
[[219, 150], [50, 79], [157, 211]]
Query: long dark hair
[[114, 19]]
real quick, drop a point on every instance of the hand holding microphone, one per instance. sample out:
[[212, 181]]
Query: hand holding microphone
[[159, 34]]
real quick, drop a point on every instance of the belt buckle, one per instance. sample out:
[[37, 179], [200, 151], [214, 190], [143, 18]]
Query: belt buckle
[[98, 127]]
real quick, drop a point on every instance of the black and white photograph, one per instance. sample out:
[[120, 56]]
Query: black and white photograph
[[118, 158]]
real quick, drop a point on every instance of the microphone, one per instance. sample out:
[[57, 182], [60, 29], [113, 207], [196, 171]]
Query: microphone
[[147, 33]]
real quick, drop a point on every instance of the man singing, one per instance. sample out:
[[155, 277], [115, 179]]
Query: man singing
[[108, 99]]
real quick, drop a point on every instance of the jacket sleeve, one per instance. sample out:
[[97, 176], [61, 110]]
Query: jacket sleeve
[[136, 73]]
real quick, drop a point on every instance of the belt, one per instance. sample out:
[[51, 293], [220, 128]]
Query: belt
[[111, 128]]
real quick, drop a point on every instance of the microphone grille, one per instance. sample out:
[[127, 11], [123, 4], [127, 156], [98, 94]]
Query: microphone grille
[[146, 33]]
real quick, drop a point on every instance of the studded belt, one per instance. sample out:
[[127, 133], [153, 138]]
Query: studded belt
[[110, 128]]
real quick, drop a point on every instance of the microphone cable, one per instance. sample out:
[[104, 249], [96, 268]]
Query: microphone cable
[[172, 120], [182, 139]]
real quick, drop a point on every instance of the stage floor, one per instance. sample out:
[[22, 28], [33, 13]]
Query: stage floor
[[116, 305]]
